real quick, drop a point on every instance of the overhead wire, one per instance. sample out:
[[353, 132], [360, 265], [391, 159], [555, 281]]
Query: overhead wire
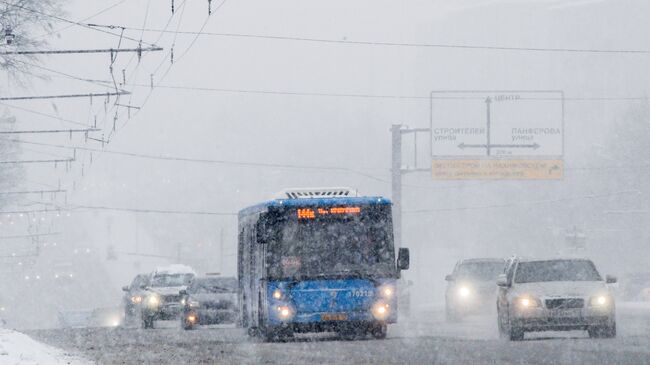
[[521, 203], [61, 19], [81, 20], [404, 44]]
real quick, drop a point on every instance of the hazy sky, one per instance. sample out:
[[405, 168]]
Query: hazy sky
[[327, 131]]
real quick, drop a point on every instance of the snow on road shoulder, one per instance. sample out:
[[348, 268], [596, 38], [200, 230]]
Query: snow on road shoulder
[[18, 348]]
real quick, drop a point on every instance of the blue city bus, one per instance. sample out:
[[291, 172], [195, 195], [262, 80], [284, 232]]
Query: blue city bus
[[318, 261]]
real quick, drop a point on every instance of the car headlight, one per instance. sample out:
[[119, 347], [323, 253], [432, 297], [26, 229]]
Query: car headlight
[[153, 300], [600, 301], [136, 299], [380, 310], [193, 303], [527, 301], [386, 291], [464, 291]]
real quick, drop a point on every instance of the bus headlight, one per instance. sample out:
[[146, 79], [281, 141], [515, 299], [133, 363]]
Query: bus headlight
[[284, 312], [277, 294], [599, 301], [386, 291], [380, 310]]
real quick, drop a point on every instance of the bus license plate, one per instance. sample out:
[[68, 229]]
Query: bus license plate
[[333, 317]]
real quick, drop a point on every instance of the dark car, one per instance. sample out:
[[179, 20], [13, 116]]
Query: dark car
[[471, 287], [210, 300], [133, 296], [162, 300]]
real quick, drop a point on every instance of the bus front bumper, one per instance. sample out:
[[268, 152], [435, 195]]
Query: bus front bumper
[[325, 321]]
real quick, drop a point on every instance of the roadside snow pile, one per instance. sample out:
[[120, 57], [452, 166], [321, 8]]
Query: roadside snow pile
[[20, 349]]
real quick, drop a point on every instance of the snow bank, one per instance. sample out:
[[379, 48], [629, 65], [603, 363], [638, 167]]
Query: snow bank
[[20, 349]]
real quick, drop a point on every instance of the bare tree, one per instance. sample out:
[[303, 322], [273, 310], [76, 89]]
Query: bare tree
[[26, 24], [10, 174]]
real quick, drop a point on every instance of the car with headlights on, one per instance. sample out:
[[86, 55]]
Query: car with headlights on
[[162, 300], [210, 300], [555, 295], [133, 295], [470, 287]]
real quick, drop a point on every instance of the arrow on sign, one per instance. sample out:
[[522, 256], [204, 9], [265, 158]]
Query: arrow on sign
[[534, 146]]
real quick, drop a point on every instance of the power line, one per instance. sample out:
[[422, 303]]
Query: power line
[[33, 192], [72, 22], [63, 96], [199, 160], [45, 114], [82, 20], [52, 131], [35, 161], [522, 203], [138, 50], [365, 95], [399, 44], [154, 211], [92, 81], [30, 235]]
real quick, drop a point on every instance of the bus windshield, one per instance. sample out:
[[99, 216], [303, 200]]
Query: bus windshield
[[332, 246]]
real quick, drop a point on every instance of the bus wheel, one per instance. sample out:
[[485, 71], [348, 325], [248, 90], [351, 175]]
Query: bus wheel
[[147, 322], [278, 334], [252, 332], [379, 331]]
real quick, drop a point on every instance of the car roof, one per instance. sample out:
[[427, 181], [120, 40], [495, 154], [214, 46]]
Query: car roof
[[465, 261], [215, 278], [553, 259]]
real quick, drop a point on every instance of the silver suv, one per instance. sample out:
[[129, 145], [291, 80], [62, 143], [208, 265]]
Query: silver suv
[[554, 295]]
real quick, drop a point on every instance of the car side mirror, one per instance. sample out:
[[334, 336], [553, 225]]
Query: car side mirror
[[609, 279], [449, 278], [125, 288], [403, 259], [182, 292], [502, 281]]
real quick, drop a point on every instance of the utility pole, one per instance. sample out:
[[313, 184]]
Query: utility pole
[[397, 130], [488, 101], [396, 182]]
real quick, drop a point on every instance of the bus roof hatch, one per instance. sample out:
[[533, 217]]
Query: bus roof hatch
[[318, 193]]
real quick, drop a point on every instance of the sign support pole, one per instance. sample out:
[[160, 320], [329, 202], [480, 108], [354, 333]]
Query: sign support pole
[[396, 182]]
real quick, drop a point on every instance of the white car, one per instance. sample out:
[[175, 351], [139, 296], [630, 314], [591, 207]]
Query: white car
[[555, 295]]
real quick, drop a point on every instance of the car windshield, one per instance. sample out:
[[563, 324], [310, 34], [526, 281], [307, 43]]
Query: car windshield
[[480, 270], [166, 280], [213, 285], [556, 270], [355, 244]]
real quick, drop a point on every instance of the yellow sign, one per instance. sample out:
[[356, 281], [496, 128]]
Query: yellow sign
[[497, 169]]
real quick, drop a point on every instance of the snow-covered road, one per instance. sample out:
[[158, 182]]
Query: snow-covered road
[[18, 349], [427, 339]]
